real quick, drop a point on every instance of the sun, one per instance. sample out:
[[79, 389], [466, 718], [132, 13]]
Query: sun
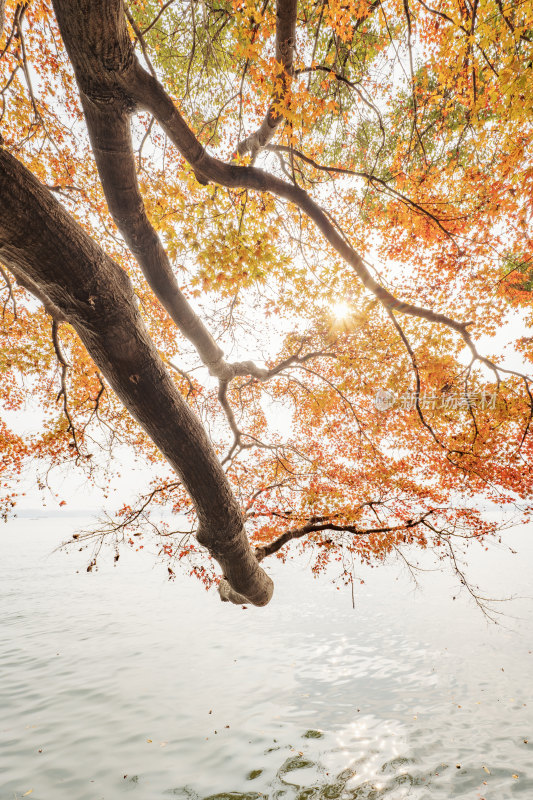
[[341, 310]]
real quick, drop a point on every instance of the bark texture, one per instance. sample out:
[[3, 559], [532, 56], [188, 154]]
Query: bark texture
[[43, 245]]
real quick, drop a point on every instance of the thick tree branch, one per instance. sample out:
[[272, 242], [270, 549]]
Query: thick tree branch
[[110, 133], [39, 239]]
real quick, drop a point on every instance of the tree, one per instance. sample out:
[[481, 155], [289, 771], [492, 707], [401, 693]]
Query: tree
[[266, 157]]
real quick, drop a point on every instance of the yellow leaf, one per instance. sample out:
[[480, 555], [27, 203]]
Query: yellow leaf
[[31, 790]]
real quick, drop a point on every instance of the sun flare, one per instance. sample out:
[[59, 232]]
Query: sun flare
[[341, 310]]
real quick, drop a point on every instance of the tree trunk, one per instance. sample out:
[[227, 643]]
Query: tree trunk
[[41, 243]]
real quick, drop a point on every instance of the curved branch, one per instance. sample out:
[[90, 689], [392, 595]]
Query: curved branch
[[63, 363], [315, 525], [110, 134], [368, 176], [38, 238]]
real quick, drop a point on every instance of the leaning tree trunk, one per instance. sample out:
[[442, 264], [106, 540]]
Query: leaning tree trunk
[[43, 246]]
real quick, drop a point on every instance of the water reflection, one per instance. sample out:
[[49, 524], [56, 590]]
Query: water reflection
[[119, 683], [301, 778]]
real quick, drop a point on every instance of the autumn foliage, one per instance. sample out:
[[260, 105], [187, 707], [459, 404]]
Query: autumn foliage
[[410, 125]]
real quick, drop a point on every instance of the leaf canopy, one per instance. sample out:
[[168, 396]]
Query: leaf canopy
[[409, 124]]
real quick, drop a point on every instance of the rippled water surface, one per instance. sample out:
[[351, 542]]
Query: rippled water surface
[[119, 683]]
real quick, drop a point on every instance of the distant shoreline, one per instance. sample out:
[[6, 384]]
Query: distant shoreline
[[41, 513]]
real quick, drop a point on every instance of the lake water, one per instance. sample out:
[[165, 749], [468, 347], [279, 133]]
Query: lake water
[[120, 684]]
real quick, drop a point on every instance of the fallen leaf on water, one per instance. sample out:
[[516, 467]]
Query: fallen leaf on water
[[149, 741], [515, 776], [487, 770], [28, 792]]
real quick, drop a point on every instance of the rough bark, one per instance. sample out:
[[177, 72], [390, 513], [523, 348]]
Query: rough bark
[[40, 242]]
